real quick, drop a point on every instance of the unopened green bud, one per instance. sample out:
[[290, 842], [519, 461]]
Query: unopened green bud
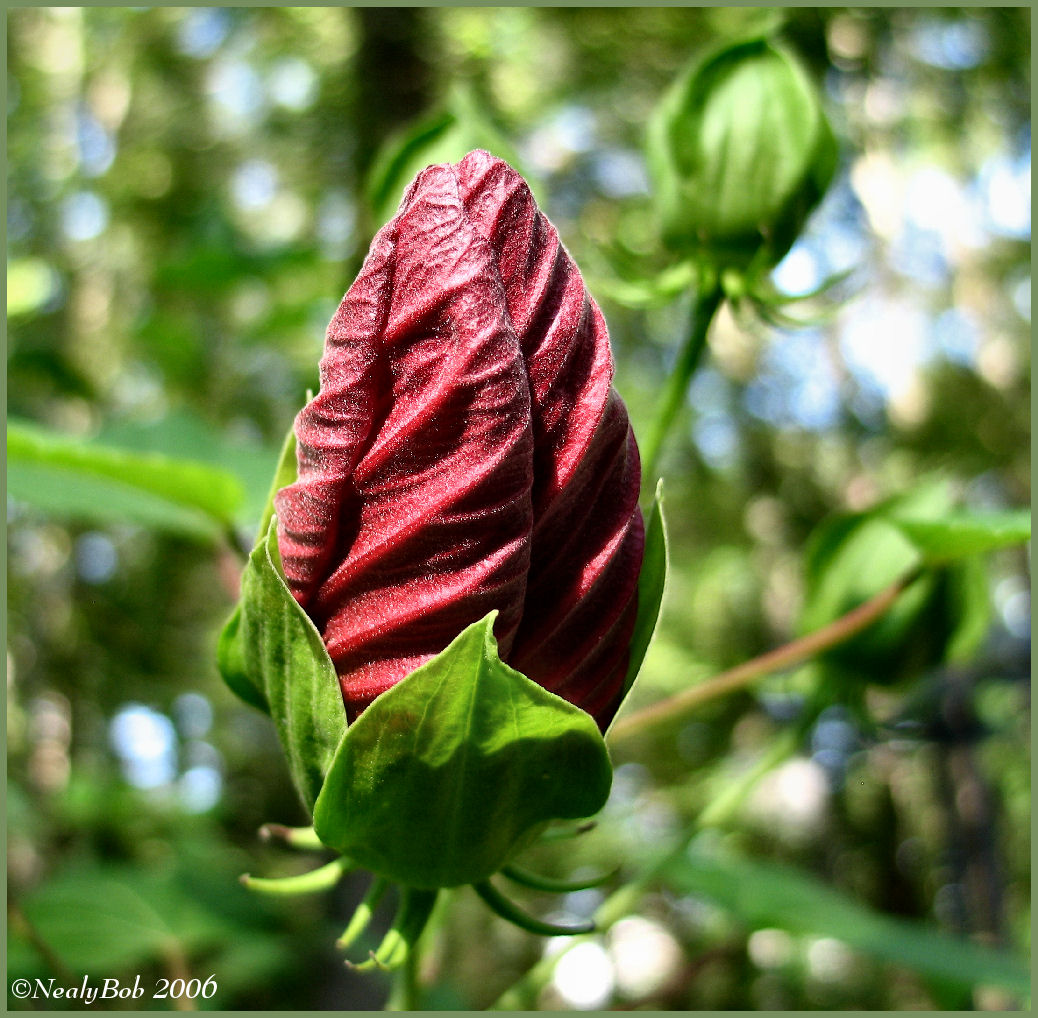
[[741, 152]]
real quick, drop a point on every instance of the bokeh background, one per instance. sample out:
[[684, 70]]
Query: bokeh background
[[190, 191]]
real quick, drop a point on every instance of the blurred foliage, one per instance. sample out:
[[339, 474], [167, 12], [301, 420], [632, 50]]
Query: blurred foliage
[[190, 192]]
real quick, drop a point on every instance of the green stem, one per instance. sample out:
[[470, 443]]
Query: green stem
[[708, 300], [522, 994], [364, 911], [553, 886], [405, 994]]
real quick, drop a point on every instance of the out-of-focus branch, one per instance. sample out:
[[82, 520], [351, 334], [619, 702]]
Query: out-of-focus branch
[[786, 656]]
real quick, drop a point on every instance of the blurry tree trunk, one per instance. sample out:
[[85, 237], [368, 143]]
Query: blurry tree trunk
[[394, 81], [393, 84]]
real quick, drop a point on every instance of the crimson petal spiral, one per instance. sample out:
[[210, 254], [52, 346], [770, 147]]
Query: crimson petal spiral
[[467, 452]]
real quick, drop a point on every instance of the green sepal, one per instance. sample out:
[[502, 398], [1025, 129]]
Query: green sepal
[[364, 911], [454, 769], [508, 909], [272, 656], [651, 583], [411, 918], [312, 882], [537, 882], [230, 651]]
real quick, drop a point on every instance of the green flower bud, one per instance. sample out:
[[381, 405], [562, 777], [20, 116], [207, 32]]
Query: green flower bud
[[741, 152]]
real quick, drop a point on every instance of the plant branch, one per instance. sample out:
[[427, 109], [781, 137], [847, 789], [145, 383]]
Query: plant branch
[[775, 660], [708, 300]]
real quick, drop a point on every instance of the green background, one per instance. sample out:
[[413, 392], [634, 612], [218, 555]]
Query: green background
[[190, 192]]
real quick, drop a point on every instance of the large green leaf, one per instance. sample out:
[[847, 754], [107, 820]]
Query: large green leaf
[[959, 534], [448, 773], [651, 582], [272, 656], [851, 558], [765, 895], [186, 434], [102, 920], [89, 481]]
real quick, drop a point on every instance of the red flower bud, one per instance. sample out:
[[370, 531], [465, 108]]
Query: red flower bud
[[467, 452]]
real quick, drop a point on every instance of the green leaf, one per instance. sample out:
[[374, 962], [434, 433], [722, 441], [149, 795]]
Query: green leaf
[[960, 534], [273, 657], [763, 895], [185, 434], [105, 919], [651, 583], [451, 771], [942, 615], [89, 481]]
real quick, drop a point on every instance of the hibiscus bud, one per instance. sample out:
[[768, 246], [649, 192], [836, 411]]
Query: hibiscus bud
[[741, 152], [466, 453]]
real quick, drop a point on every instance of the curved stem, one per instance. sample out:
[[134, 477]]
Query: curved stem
[[537, 882], [295, 837], [321, 879], [523, 993], [782, 657], [364, 911], [509, 910], [708, 300]]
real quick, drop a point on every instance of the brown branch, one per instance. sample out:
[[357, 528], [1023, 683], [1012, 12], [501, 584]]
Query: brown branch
[[786, 656]]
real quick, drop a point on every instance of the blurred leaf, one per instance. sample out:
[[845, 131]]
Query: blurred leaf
[[87, 480], [852, 557], [184, 433], [101, 920], [446, 137], [960, 534], [763, 895]]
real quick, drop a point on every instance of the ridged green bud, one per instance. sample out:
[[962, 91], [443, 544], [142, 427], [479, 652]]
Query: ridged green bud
[[741, 152]]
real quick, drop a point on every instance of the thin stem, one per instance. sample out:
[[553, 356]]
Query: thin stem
[[550, 884], [509, 910], [520, 995], [405, 993], [364, 911], [708, 300], [775, 660], [321, 879]]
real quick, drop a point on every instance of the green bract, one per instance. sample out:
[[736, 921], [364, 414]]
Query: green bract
[[448, 773], [741, 152]]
